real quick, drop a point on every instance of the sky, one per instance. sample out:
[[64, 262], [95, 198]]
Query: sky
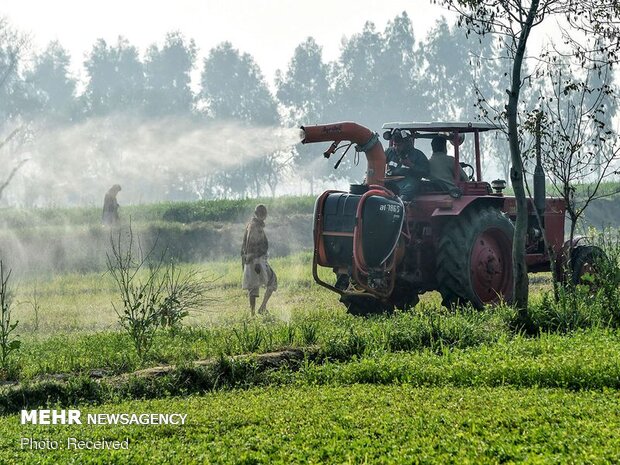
[[267, 29]]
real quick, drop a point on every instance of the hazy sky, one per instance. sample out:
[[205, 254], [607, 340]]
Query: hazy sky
[[267, 29]]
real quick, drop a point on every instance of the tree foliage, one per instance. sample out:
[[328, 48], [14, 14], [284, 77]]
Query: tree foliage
[[234, 90], [52, 87], [13, 100], [381, 74], [13, 46], [116, 78], [168, 74], [304, 91]]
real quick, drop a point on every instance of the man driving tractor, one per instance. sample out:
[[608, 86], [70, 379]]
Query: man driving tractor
[[405, 163]]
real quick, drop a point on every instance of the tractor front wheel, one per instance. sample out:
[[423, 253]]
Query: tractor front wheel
[[403, 297], [474, 261], [586, 260], [366, 306]]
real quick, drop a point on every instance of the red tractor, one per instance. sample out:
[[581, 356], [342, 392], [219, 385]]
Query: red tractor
[[385, 252]]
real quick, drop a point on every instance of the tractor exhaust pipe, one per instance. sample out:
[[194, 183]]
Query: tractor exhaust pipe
[[366, 140], [539, 188], [539, 174]]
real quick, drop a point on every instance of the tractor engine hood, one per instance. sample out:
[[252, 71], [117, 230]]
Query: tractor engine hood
[[366, 140]]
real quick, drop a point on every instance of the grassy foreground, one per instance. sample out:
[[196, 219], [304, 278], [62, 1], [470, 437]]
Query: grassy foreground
[[352, 424], [424, 386]]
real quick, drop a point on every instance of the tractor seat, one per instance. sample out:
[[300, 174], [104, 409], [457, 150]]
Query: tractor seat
[[432, 185], [437, 186]]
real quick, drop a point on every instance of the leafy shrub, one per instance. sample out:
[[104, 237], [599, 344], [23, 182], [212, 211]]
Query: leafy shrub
[[154, 293], [233, 210], [572, 308], [8, 342], [607, 280]]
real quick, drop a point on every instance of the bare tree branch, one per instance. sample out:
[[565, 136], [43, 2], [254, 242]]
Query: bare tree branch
[[9, 137], [11, 175]]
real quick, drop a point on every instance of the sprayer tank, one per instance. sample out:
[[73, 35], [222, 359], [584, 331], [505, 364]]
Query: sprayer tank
[[381, 223]]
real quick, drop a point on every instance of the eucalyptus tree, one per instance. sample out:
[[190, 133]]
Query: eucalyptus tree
[[51, 111], [53, 88], [13, 47], [234, 91], [304, 91], [233, 88], [377, 78], [448, 74], [356, 78], [401, 81], [461, 78], [113, 105], [116, 80], [168, 76]]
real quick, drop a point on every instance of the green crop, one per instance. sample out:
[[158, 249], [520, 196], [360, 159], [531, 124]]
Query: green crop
[[351, 424]]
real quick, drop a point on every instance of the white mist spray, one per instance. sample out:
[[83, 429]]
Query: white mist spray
[[75, 165]]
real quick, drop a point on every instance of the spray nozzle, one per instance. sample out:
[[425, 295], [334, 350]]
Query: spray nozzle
[[332, 148]]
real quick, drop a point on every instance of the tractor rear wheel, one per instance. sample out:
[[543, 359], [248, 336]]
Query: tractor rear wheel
[[474, 260]]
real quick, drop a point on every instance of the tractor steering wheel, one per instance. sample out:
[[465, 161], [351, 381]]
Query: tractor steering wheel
[[467, 166]]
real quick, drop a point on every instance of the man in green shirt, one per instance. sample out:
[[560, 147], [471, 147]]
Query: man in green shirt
[[442, 164]]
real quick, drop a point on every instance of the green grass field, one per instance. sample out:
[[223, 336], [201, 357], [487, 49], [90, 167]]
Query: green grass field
[[423, 386], [395, 423]]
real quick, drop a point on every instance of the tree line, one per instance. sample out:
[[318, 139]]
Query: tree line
[[380, 75], [63, 135]]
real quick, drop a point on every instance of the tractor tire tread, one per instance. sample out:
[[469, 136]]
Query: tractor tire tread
[[454, 250]]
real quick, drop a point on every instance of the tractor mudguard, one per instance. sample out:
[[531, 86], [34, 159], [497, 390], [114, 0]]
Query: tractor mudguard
[[449, 206]]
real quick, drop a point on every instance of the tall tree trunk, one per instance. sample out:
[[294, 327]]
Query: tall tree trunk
[[521, 283]]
